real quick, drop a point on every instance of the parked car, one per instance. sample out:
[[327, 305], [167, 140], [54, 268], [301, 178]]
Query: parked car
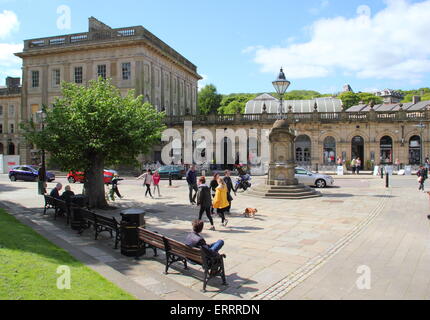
[[177, 172], [28, 173], [77, 176], [313, 179]]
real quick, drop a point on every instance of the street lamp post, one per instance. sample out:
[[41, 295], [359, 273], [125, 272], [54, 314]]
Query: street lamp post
[[422, 127], [41, 115], [281, 85]]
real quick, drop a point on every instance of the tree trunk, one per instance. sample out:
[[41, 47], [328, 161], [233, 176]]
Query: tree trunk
[[94, 184]]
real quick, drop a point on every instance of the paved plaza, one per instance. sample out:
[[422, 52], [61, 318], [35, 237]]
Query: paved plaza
[[295, 249]]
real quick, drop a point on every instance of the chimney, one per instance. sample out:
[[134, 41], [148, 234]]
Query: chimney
[[416, 99], [13, 82], [95, 25]]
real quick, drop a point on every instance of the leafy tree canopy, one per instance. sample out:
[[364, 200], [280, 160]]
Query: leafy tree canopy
[[208, 99], [90, 127]]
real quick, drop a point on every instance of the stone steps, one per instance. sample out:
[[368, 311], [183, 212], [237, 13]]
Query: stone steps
[[283, 192]]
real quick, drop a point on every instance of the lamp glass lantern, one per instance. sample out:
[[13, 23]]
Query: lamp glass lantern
[[281, 85]]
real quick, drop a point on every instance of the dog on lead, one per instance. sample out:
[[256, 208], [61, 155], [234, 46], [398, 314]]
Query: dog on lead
[[250, 212]]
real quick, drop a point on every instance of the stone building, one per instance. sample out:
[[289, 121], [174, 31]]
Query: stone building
[[132, 57], [10, 116], [386, 133]]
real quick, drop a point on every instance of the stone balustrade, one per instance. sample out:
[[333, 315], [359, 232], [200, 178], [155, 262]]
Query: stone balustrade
[[322, 117]]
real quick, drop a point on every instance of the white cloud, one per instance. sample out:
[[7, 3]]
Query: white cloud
[[8, 23], [317, 10], [9, 64], [392, 44], [203, 82]]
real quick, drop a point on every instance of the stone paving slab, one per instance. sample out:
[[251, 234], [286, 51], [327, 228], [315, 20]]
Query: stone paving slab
[[284, 236]]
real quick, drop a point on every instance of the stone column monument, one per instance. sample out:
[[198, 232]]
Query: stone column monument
[[281, 182]]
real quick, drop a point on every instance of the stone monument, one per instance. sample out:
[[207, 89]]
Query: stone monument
[[281, 182]]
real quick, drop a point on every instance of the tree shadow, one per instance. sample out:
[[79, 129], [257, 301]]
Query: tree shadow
[[9, 188]]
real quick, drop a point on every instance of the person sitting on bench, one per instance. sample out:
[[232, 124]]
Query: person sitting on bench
[[55, 193], [195, 240], [67, 195]]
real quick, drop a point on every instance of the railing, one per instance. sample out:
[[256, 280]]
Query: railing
[[303, 117], [139, 33]]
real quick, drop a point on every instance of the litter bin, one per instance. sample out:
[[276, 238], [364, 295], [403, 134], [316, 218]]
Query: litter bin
[[131, 220], [78, 201]]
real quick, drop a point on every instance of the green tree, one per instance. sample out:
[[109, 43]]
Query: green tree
[[349, 99], [93, 127], [208, 99], [233, 108], [367, 98]]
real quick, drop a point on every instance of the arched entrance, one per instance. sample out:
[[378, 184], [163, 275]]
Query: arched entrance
[[357, 149], [329, 155], [11, 149], [386, 148], [415, 150], [303, 147]]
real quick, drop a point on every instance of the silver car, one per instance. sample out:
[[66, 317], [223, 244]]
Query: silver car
[[313, 179]]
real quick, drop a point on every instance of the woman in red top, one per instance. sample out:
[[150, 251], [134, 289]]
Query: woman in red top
[[156, 179]]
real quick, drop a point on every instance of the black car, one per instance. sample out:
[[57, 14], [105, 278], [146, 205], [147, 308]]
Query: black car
[[28, 173], [177, 172]]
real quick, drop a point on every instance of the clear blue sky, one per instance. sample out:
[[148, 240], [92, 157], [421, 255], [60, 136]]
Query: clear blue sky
[[239, 45]]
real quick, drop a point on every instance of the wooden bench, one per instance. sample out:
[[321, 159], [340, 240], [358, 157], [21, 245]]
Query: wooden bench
[[100, 224], [212, 263], [49, 203]]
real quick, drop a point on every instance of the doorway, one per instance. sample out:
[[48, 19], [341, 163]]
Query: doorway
[[357, 149]]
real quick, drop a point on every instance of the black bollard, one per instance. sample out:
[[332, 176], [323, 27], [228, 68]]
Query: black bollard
[[387, 180], [170, 179], [382, 172]]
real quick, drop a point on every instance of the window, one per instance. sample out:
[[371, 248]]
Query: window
[[12, 128], [386, 145], [78, 75], [11, 111], [126, 71], [1, 129], [101, 71], [35, 79], [329, 151], [56, 78], [1, 111]]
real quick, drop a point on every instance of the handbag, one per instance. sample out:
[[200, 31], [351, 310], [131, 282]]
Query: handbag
[[229, 197]]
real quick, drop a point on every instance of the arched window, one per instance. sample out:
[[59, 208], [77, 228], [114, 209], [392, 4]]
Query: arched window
[[303, 147], [386, 147], [415, 150], [329, 151], [1, 148]]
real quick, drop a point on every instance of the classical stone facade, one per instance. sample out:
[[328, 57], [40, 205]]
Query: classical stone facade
[[132, 57], [10, 116], [376, 137]]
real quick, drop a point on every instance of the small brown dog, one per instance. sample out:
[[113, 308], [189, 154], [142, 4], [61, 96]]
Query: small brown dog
[[250, 212]]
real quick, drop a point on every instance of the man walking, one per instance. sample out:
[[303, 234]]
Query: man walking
[[192, 184]]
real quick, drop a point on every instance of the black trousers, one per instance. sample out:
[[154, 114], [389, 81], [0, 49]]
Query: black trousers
[[221, 213], [193, 187], [208, 214], [115, 189], [148, 190]]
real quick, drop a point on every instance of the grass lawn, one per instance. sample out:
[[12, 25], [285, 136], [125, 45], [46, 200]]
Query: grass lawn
[[28, 268]]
